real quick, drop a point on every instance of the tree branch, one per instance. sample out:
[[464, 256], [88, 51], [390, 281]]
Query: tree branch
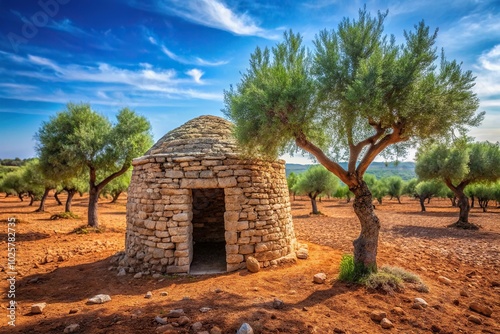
[[375, 150], [104, 182], [332, 166]]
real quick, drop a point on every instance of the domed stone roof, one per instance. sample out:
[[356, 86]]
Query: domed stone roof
[[204, 135]]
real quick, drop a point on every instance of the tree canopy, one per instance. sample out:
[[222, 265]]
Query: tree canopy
[[79, 140]]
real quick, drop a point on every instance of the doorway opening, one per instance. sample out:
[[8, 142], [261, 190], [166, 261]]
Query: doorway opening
[[209, 243]]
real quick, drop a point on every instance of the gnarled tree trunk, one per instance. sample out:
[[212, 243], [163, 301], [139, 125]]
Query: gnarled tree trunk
[[463, 218], [71, 193], [365, 246]]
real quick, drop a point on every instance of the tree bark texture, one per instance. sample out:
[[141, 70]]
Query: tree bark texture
[[463, 218], [71, 193], [92, 213], [365, 246], [41, 208]]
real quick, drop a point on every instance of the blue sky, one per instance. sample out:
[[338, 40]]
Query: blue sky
[[170, 60]]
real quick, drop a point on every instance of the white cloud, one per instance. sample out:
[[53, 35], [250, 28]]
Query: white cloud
[[100, 83], [487, 71], [196, 74], [213, 13]]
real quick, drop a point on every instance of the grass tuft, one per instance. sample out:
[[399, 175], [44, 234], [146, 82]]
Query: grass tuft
[[392, 279], [349, 272], [64, 215], [85, 229]]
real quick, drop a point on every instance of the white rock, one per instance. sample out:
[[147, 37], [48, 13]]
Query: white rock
[[245, 329], [121, 272], [319, 278], [100, 299], [419, 303], [38, 308]]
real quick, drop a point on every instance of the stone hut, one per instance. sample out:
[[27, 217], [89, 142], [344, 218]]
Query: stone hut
[[196, 205]]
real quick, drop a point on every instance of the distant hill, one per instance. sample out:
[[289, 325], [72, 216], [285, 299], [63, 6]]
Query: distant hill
[[406, 169]]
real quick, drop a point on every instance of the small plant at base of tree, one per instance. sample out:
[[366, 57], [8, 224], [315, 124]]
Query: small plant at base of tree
[[349, 272], [64, 215], [86, 229]]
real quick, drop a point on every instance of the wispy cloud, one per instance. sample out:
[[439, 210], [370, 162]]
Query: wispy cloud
[[211, 13], [67, 26], [184, 60]]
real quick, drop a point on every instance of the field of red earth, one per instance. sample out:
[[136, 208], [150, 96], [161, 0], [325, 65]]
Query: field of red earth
[[64, 270]]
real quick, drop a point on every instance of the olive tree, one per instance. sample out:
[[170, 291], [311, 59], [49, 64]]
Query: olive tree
[[458, 166], [79, 140], [425, 190], [395, 185], [316, 180], [356, 96]]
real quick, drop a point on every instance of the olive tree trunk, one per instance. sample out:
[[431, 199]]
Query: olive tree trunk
[[314, 205], [365, 246], [71, 193], [422, 203], [41, 208], [463, 218], [92, 210]]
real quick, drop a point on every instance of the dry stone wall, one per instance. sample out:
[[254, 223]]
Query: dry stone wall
[[257, 217]]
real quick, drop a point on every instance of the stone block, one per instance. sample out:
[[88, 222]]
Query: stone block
[[231, 237], [232, 249], [234, 258], [199, 183], [180, 199], [165, 245], [161, 226], [181, 253], [242, 225], [246, 249], [226, 182], [158, 253], [179, 238], [184, 216], [174, 174]]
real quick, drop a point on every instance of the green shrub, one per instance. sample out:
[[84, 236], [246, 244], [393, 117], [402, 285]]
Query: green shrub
[[349, 272]]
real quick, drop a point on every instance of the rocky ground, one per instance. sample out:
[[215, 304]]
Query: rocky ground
[[64, 270]]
